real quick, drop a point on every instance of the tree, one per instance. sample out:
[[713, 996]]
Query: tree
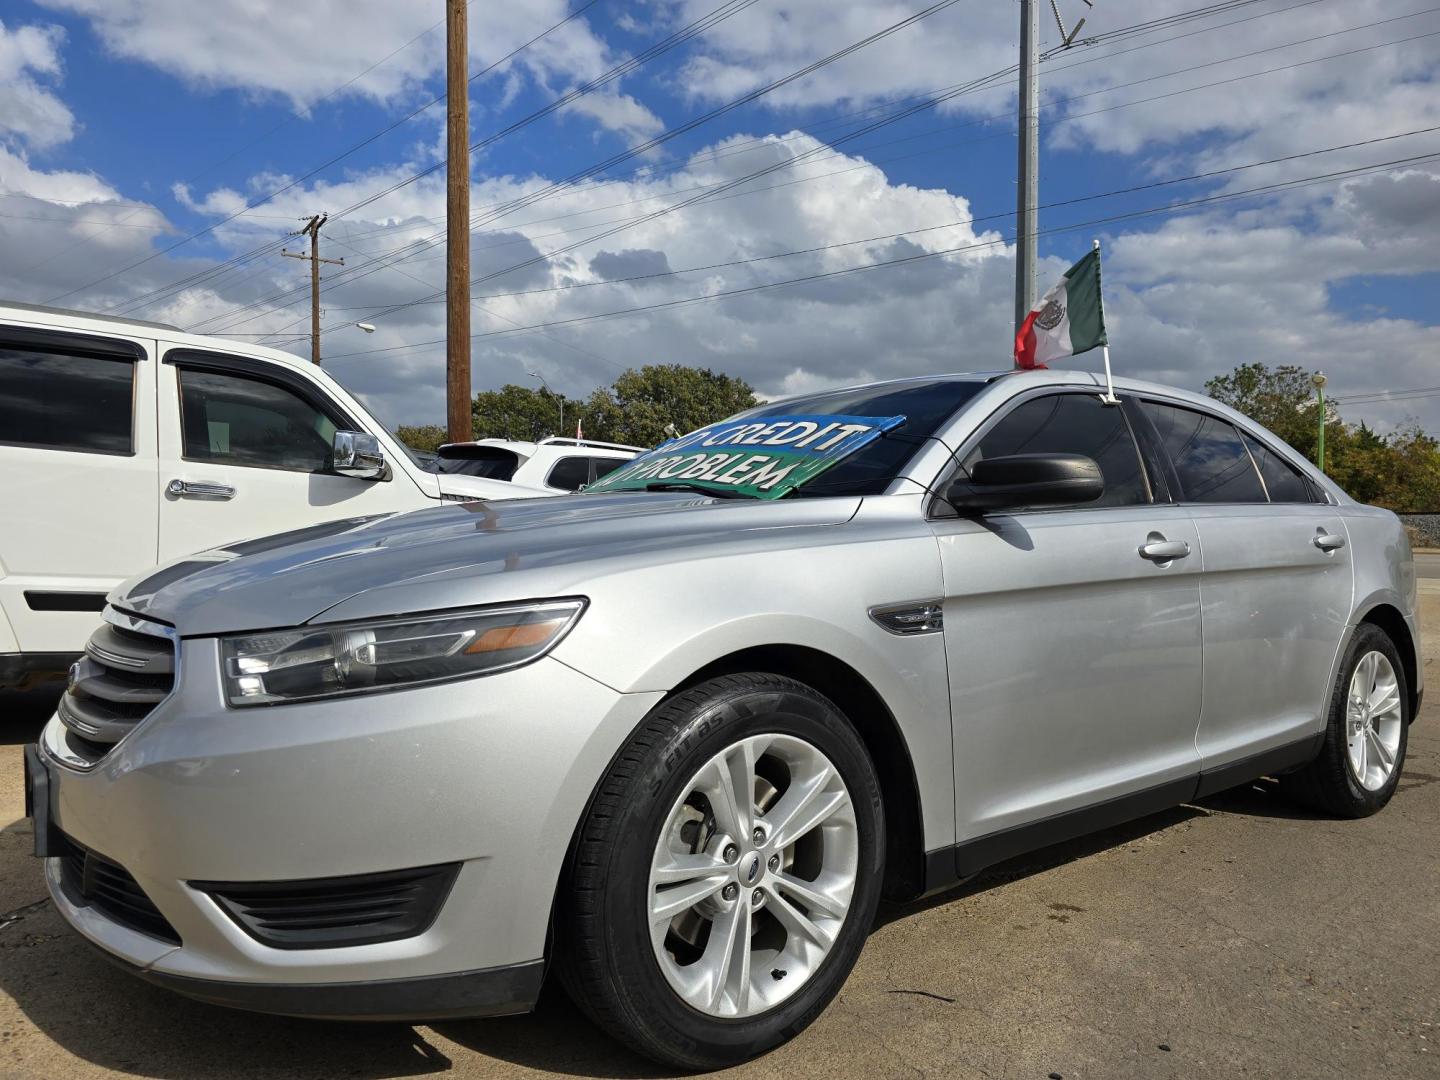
[[1278, 399], [520, 412], [422, 436], [641, 404]]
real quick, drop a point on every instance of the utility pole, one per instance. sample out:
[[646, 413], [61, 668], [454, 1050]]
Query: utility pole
[[458, 406], [1028, 167], [312, 230], [1027, 186]]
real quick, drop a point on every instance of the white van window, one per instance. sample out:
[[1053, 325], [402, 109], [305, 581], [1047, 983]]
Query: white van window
[[55, 401], [233, 420]]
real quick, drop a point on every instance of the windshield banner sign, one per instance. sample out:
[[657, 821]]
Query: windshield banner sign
[[765, 458]]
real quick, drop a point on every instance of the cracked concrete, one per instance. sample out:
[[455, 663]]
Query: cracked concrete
[[1241, 936]]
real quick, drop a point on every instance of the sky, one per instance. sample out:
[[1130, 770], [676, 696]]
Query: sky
[[154, 154]]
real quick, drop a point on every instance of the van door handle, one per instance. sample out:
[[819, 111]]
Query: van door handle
[[1329, 541], [1164, 550], [199, 489]]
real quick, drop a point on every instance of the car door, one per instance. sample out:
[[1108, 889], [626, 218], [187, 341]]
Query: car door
[[245, 451], [1073, 655], [1275, 589], [77, 479]]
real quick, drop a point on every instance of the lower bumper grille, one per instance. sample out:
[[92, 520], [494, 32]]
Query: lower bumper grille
[[322, 913], [92, 880]]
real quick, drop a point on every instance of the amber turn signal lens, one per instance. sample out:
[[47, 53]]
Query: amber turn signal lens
[[525, 635]]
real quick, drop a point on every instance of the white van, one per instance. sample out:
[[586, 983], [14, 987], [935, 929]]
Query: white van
[[126, 443]]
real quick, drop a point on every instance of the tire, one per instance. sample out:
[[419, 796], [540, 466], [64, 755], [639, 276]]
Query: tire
[[629, 981], [1332, 782]]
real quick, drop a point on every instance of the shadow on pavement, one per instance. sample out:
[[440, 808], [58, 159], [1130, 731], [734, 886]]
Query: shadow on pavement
[[24, 712]]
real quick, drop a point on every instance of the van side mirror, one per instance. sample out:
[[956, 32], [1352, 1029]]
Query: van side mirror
[[1019, 480], [357, 454]]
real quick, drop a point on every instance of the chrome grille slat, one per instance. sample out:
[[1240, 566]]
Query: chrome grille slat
[[127, 670]]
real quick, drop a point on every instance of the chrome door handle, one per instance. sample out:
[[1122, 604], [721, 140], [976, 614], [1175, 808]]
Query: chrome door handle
[[1165, 550], [199, 489], [1329, 541]]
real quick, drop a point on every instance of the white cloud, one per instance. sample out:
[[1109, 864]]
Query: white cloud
[[28, 109], [304, 51]]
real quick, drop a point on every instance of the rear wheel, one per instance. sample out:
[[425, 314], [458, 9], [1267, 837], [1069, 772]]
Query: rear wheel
[[1367, 733], [726, 875]]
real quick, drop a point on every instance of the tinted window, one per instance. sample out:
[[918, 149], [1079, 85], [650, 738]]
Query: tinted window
[[232, 420], [1283, 481], [60, 402], [1209, 457], [868, 471], [604, 466], [491, 462], [1072, 424], [570, 473]]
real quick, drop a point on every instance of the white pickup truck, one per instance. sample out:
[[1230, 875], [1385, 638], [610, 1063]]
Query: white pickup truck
[[125, 443]]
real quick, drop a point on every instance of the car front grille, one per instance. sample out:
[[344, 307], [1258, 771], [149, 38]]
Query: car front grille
[[320, 913], [126, 671], [91, 880]]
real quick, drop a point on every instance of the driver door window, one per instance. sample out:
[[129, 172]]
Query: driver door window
[[1072, 424], [230, 420]]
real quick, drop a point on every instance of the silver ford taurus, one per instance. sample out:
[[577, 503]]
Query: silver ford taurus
[[675, 739]]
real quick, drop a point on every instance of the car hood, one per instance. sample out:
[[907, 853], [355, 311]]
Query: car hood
[[457, 555], [458, 485]]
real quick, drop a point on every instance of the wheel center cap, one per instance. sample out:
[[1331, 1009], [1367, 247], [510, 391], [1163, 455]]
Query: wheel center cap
[[750, 868]]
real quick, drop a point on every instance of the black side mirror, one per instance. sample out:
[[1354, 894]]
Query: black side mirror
[[1027, 480]]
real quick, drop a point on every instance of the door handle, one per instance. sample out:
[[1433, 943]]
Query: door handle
[[199, 489], [1329, 541], [1164, 550]]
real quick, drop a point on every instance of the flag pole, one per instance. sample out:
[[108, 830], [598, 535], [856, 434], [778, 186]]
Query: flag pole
[[1107, 398]]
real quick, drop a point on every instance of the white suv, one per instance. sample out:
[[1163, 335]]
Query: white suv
[[552, 465], [127, 443]]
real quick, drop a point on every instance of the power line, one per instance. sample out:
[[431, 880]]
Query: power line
[[726, 9], [1129, 215], [630, 223]]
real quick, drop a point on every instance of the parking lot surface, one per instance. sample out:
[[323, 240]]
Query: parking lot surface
[[1239, 936]]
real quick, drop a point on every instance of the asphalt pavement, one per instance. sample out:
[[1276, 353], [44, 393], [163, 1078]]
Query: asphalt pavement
[[1239, 936]]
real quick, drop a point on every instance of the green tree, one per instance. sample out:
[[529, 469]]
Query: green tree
[[639, 406], [1278, 399], [521, 412], [422, 436]]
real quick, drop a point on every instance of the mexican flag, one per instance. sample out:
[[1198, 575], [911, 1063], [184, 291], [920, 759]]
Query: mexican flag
[[1067, 320]]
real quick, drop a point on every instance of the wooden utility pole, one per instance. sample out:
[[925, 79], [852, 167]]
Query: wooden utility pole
[[458, 407], [312, 230]]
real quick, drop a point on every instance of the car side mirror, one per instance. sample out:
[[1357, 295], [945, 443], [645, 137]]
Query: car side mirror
[[357, 454], [1019, 480]]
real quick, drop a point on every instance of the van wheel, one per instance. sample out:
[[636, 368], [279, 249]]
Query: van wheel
[[726, 874], [1366, 734]]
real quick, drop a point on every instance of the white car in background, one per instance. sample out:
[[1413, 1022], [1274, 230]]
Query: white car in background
[[551, 465], [125, 443]]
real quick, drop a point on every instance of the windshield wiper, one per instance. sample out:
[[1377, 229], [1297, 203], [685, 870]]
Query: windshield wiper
[[699, 489]]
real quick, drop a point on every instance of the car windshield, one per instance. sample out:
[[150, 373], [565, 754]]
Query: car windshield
[[925, 405], [490, 462]]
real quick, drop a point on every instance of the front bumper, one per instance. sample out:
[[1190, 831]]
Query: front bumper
[[491, 773]]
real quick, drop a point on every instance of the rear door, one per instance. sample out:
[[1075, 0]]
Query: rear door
[[1074, 659], [77, 478], [1276, 586], [245, 450]]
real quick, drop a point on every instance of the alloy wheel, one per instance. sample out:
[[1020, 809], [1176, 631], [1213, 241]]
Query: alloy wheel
[[752, 876], [1372, 720]]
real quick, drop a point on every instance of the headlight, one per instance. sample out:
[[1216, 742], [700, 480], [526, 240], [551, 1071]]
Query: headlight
[[350, 658]]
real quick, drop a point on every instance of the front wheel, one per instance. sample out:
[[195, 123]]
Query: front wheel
[[726, 874]]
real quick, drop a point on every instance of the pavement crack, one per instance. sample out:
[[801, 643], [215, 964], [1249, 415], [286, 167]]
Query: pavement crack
[[10, 918], [924, 993]]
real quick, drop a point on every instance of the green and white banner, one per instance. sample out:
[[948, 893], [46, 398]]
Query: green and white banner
[[765, 458]]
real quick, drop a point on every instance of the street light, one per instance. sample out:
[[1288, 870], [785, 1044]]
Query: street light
[[369, 328], [559, 400], [1318, 381]]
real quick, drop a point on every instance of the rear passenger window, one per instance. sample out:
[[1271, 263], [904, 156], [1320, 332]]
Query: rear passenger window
[[57, 401], [569, 474], [1212, 462], [1072, 424], [604, 466], [1283, 481]]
